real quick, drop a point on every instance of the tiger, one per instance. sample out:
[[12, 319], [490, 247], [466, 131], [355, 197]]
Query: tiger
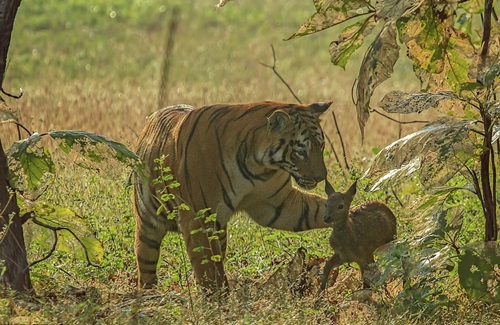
[[228, 159]]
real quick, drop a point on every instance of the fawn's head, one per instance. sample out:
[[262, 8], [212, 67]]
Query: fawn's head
[[338, 204]]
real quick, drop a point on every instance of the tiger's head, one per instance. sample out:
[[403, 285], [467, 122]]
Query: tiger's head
[[298, 142]]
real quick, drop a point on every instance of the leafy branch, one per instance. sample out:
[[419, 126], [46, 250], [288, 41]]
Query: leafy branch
[[58, 221], [54, 245]]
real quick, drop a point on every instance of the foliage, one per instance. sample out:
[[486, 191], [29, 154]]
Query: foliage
[[35, 161], [439, 36], [30, 163], [478, 272], [458, 72], [70, 231]]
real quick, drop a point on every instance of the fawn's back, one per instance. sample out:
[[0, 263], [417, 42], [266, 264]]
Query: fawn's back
[[367, 227]]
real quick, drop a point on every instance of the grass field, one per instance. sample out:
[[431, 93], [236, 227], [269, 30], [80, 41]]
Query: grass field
[[95, 65]]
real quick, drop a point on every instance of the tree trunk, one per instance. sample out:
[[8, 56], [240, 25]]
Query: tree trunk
[[15, 268]]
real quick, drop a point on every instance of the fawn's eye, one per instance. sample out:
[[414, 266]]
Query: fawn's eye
[[341, 206]]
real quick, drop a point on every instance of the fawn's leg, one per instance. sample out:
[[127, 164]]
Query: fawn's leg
[[368, 273], [333, 262]]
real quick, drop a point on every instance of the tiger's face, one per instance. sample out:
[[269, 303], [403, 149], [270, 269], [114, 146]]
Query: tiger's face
[[298, 143]]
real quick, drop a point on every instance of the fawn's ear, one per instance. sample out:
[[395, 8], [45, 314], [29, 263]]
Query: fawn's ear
[[352, 190], [279, 121], [328, 188]]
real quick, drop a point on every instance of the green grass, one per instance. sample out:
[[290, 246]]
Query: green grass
[[83, 67]]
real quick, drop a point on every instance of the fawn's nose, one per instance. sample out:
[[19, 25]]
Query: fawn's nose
[[326, 218]]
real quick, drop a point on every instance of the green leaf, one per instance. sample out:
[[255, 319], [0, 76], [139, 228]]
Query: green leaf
[[88, 145], [477, 272], [350, 40], [491, 75], [493, 109], [330, 13], [496, 132], [66, 221], [471, 86], [30, 160], [442, 55], [377, 66]]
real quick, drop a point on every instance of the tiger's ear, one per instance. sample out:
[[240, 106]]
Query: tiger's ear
[[279, 121], [319, 108]]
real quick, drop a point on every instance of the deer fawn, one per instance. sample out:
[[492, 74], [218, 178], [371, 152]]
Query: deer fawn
[[357, 232]]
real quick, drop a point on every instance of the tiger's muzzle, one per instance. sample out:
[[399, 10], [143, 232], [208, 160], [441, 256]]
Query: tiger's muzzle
[[306, 183]]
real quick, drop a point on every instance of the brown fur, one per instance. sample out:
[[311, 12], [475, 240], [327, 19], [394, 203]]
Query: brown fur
[[357, 232]]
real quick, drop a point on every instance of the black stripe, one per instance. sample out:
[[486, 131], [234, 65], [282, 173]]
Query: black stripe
[[145, 222], [227, 199], [266, 175], [142, 260], [151, 243], [189, 138], [219, 113], [277, 214], [305, 212], [308, 224], [316, 213], [221, 158], [147, 271], [252, 110], [281, 187], [240, 157]]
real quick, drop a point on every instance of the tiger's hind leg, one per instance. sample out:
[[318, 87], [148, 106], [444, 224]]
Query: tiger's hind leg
[[206, 253], [148, 238]]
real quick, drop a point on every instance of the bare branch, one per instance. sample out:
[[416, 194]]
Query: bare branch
[[335, 155], [394, 120], [21, 93], [341, 140], [273, 67]]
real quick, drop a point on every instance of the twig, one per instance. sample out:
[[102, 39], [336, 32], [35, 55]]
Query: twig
[[273, 67], [394, 120], [400, 127], [55, 229], [19, 125], [169, 44], [49, 254], [335, 154], [397, 198], [341, 140]]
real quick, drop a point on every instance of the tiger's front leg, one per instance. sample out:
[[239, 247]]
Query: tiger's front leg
[[206, 251]]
